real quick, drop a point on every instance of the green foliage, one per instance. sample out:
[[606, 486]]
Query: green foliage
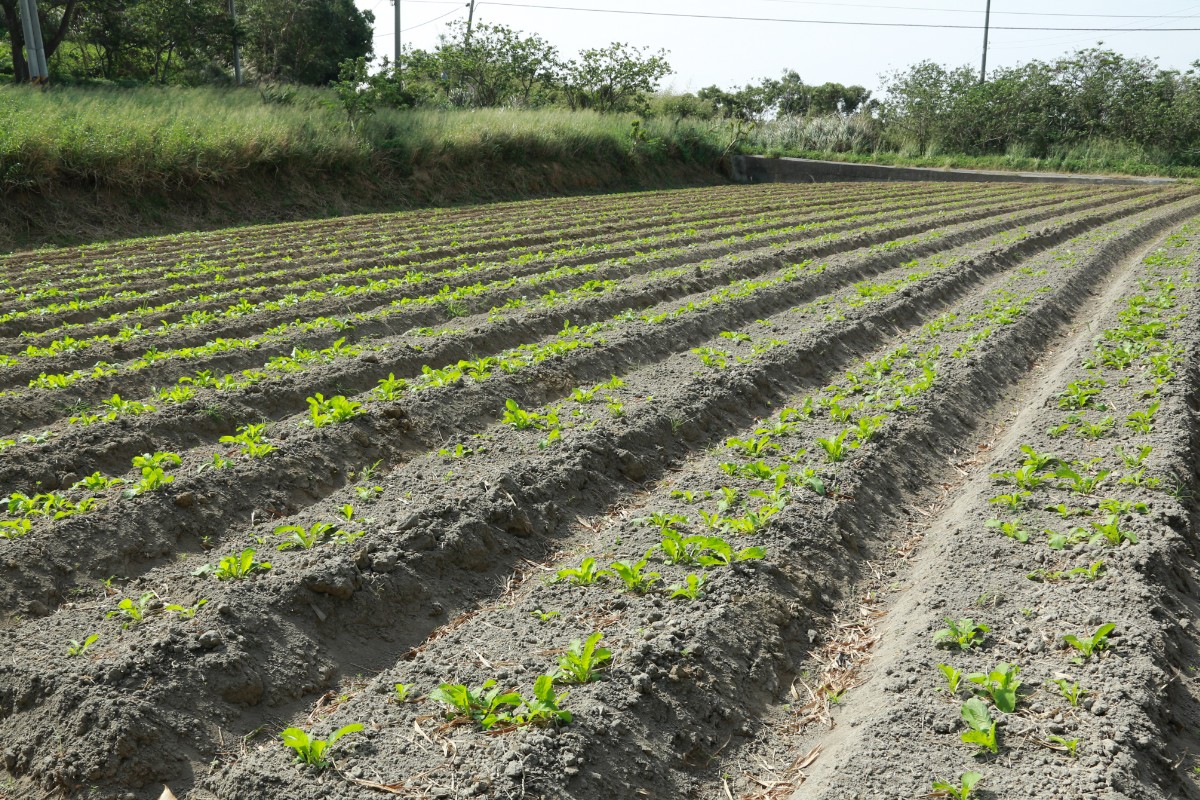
[[692, 587], [77, 648], [582, 660], [584, 575], [312, 751], [633, 576], [981, 728], [1091, 645], [961, 790], [1073, 692], [963, 633], [236, 567], [953, 677], [1001, 684], [330, 411]]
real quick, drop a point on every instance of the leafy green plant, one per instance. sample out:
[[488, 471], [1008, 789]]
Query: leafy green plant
[[1012, 500], [1142, 421], [692, 587], [76, 648], [153, 478], [963, 633], [1025, 477], [1039, 461], [520, 419], [1110, 533], [545, 707], [953, 677], [487, 705], [959, 791], [186, 612], [1080, 484], [311, 751], [582, 660], [836, 448], [336, 409], [1096, 430], [14, 528], [1001, 684], [719, 553], [300, 537], [236, 567], [584, 575], [633, 576], [402, 692], [1012, 529], [97, 482], [1090, 645], [249, 440], [1073, 692], [1069, 746], [134, 611], [981, 728], [545, 616]]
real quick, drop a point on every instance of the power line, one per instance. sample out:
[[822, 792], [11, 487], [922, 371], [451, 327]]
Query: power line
[[969, 10], [456, 9], [852, 23]]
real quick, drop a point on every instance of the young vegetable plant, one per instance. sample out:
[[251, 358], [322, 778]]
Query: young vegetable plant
[[719, 553], [300, 537], [584, 575], [235, 567], [836, 448], [134, 611], [1073, 692], [322, 411], [545, 707], [1089, 646], [633, 576], [311, 751], [1001, 684], [691, 589], [77, 648], [582, 660], [487, 706], [1011, 529], [963, 790], [981, 727], [953, 677], [963, 634]]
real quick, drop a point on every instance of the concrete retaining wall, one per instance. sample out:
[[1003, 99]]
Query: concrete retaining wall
[[761, 169]]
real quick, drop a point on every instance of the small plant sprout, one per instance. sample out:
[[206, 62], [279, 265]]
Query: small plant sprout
[[186, 612], [347, 511], [1080, 484], [1012, 529], [403, 690], [582, 660], [1071, 691], [1039, 461], [1110, 533], [691, 588], [953, 677], [1063, 744], [249, 440], [633, 576], [76, 648], [135, 611], [584, 575], [322, 411], [520, 419], [836, 448], [1012, 500], [1090, 645], [963, 790], [299, 537], [544, 616], [719, 553], [236, 567], [1001, 684], [963, 634], [487, 706], [981, 728], [545, 707], [311, 751]]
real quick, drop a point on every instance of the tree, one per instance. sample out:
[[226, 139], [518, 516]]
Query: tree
[[303, 41], [497, 66], [614, 78], [54, 15]]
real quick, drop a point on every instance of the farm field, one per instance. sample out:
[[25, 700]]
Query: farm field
[[755, 492]]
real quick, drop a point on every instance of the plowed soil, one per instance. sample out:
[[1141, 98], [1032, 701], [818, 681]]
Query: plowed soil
[[766, 446]]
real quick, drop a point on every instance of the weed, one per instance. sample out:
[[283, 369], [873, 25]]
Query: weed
[[311, 751], [582, 660]]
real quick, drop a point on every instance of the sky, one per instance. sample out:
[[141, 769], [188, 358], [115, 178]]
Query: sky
[[733, 52]]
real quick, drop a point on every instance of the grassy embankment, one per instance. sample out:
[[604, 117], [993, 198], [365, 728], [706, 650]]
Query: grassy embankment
[[79, 164]]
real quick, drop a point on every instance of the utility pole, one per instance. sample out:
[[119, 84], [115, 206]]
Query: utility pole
[[470, 19], [987, 23], [399, 48], [237, 47], [35, 51]]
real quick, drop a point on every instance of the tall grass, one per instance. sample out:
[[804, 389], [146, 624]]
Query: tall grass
[[172, 136]]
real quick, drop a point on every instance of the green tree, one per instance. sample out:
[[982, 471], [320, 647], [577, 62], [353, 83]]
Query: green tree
[[303, 41], [56, 17], [614, 78]]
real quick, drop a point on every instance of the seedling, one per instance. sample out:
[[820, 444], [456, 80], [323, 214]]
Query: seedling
[[582, 660], [1039, 461], [485, 705], [632, 574], [402, 692], [1098, 430], [1066, 512], [186, 612], [1025, 477], [235, 567], [1012, 530], [679, 549], [330, 411], [544, 616], [77, 648], [1109, 533], [719, 553], [311, 751], [249, 440], [134, 611], [1073, 692], [953, 677], [97, 482], [1080, 484], [1133, 461], [14, 528], [1142, 421], [1000, 684], [347, 511], [963, 634], [691, 589], [959, 791], [520, 419], [1094, 644], [545, 707], [982, 728], [1012, 501], [301, 537], [584, 575], [1069, 746], [836, 448]]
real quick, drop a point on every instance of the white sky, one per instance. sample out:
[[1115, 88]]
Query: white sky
[[731, 53]]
